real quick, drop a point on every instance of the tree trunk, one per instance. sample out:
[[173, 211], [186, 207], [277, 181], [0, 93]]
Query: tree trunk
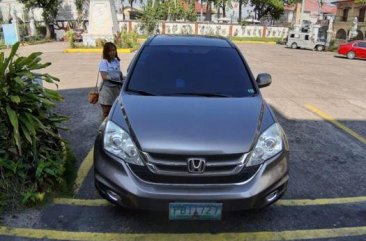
[[208, 11], [218, 11], [123, 10], [240, 4], [224, 9], [46, 21], [48, 31]]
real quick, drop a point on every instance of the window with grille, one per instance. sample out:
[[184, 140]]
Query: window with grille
[[345, 14], [361, 16]]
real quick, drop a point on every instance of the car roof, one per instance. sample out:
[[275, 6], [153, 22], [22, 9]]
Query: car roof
[[189, 40]]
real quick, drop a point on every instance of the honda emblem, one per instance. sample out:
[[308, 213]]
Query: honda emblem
[[196, 165]]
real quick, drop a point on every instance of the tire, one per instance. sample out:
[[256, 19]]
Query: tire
[[351, 55], [294, 45], [320, 48]]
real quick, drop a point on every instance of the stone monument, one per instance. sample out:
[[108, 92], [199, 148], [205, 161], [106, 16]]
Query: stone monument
[[353, 33], [330, 30], [102, 22]]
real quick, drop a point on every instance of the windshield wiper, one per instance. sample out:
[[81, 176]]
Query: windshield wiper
[[199, 94], [140, 92]]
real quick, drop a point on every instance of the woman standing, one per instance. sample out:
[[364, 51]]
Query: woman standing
[[110, 71]]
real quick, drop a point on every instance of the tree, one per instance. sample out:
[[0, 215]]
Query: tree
[[208, 9], [241, 3], [50, 9], [191, 12], [262, 8], [148, 18], [222, 4], [79, 4], [131, 3]]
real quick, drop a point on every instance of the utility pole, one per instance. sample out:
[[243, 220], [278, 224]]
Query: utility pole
[[302, 12]]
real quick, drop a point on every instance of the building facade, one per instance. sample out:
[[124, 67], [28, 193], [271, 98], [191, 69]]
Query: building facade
[[347, 11]]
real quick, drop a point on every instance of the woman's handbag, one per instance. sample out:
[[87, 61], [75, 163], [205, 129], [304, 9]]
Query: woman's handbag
[[93, 95]]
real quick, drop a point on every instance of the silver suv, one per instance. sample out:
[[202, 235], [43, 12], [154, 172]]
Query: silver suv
[[190, 133]]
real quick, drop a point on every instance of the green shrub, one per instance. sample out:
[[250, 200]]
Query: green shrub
[[41, 30], [23, 30], [127, 40], [333, 45], [32, 154], [100, 42], [71, 35]]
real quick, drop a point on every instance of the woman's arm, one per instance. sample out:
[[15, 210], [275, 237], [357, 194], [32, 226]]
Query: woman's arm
[[121, 76], [105, 76]]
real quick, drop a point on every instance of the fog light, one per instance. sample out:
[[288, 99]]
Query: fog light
[[113, 196], [271, 197]]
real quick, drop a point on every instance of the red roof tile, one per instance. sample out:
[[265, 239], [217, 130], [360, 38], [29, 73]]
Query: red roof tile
[[313, 5], [197, 7]]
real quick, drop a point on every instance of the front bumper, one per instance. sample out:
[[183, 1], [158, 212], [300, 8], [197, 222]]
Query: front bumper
[[115, 175]]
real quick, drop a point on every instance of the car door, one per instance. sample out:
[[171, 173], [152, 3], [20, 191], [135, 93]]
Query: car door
[[360, 50], [307, 42], [300, 41]]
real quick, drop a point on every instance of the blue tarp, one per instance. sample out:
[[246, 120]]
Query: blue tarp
[[10, 35]]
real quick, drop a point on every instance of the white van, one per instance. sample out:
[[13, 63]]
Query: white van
[[304, 41]]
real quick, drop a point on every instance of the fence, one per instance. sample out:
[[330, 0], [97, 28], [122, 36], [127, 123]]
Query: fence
[[226, 30]]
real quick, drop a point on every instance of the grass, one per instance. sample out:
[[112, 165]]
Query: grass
[[2, 43], [70, 173]]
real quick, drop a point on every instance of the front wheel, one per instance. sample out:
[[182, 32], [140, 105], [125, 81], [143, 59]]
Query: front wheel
[[294, 45], [351, 55], [320, 48]]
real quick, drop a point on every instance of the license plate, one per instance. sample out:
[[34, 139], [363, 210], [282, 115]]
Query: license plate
[[195, 211]]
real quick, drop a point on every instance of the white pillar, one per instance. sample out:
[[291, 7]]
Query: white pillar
[[330, 30], [102, 22], [15, 22], [32, 27]]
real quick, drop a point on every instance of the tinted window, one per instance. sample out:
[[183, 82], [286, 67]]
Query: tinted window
[[306, 37], [165, 70], [292, 36], [362, 44]]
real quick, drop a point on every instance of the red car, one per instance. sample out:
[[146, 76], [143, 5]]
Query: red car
[[354, 49]]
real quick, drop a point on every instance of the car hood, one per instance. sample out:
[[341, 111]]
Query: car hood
[[193, 125]]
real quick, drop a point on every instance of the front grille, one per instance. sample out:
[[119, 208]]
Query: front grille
[[177, 165], [145, 174]]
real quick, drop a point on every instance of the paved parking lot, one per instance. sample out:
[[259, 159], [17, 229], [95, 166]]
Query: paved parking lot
[[319, 99]]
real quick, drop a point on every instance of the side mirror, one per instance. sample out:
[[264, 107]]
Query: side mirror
[[263, 80]]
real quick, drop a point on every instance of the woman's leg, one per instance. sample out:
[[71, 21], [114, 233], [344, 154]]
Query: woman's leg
[[105, 110]]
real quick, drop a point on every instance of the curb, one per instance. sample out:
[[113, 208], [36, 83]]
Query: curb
[[99, 50]]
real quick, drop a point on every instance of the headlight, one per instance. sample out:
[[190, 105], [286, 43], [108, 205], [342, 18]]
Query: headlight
[[119, 143], [268, 145]]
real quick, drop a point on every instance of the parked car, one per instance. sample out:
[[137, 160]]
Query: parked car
[[190, 133], [354, 49], [305, 41]]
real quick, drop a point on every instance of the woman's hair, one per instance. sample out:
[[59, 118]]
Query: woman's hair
[[107, 47]]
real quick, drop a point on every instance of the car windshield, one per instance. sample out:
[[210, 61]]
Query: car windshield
[[189, 71]]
